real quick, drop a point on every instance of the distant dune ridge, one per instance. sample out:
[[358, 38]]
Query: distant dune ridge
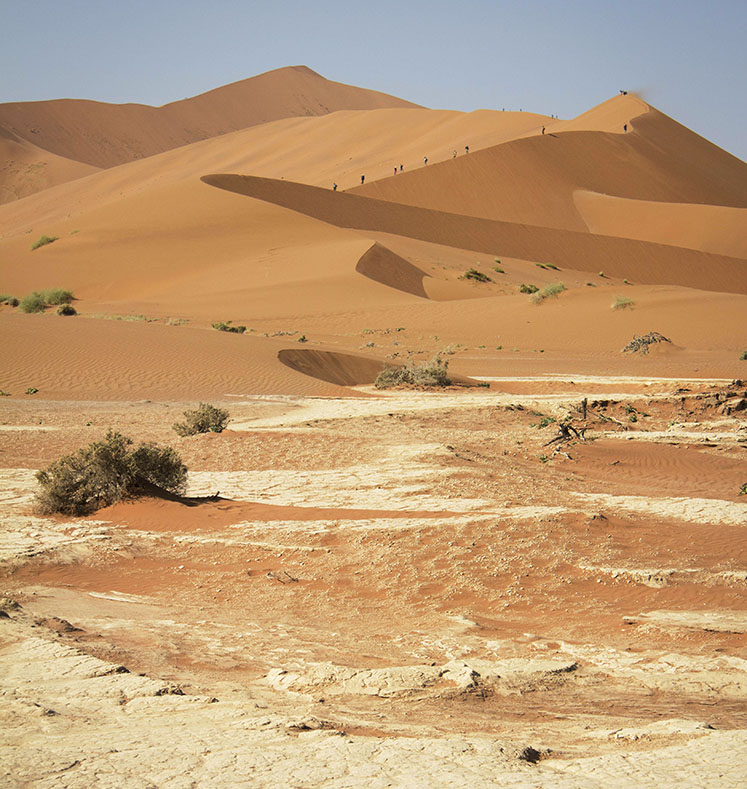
[[105, 135], [245, 226]]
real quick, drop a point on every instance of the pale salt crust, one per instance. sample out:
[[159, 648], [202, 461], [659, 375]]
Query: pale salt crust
[[692, 510]]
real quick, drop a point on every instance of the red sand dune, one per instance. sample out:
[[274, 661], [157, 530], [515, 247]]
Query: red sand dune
[[105, 135], [532, 180], [117, 360], [25, 168], [711, 228], [289, 258], [640, 261]]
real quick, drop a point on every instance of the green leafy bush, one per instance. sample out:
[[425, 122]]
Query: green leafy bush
[[34, 302], [226, 326], [549, 291], [7, 299], [205, 418], [432, 373], [108, 471], [527, 288], [43, 241]]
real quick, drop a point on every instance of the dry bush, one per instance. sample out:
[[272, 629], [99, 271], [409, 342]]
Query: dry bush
[[108, 471], [226, 326], [43, 241], [432, 373], [549, 291], [622, 303], [205, 418]]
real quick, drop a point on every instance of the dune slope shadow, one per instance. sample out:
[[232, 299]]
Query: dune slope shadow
[[384, 266], [343, 369], [346, 369], [646, 262]]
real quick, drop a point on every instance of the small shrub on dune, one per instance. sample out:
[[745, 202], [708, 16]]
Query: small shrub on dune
[[205, 418], [57, 296], [66, 309], [11, 301], [34, 302], [226, 326], [548, 292], [743, 357], [43, 241], [432, 373], [528, 288], [476, 275], [105, 472], [622, 303]]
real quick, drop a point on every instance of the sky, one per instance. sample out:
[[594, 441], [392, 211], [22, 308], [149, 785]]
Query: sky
[[557, 57]]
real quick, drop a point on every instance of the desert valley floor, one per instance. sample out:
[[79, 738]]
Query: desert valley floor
[[532, 577]]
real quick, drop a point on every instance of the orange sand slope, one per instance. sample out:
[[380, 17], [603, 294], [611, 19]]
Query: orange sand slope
[[105, 135], [643, 262], [532, 180], [289, 259], [711, 228], [25, 168], [116, 360], [338, 147]]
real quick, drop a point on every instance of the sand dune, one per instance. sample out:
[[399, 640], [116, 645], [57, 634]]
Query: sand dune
[[118, 360], [338, 147], [104, 135], [711, 228], [636, 260], [25, 168], [292, 259], [532, 180]]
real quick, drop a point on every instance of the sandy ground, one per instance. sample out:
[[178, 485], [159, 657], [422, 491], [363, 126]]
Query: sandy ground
[[401, 588], [409, 589]]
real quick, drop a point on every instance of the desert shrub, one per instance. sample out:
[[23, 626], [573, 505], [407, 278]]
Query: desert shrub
[[498, 270], [43, 241], [476, 275], [7, 299], [642, 343], [66, 309], [622, 303], [303, 338], [226, 326], [549, 291], [34, 302], [743, 490], [551, 266], [432, 373], [527, 288], [105, 472], [205, 418], [57, 296], [743, 356]]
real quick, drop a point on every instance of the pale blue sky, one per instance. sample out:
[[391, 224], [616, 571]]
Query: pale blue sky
[[687, 57]]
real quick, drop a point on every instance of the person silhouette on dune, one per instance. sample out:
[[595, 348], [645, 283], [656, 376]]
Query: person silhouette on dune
[[363, 178], [334, 187]]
